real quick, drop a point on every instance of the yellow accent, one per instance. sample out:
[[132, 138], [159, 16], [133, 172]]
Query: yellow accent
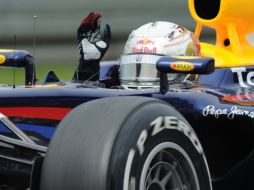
[[198, 29], [43, 86], [145, 40], [2, 59], [225, 58], [185, 57], [182, 66], [6, 50], [46, 85], [234, 21]]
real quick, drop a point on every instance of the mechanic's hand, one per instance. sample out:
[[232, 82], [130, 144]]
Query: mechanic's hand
[[92, 45]]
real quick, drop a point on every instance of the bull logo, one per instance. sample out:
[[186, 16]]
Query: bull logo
[[145, 41]]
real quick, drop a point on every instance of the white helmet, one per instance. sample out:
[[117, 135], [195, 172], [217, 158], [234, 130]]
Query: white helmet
[[149, 43]]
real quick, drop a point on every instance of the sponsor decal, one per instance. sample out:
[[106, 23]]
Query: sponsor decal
[[145, 50], [142, 49], [241, 99], [157, 126], [211, 110], [170, 122], [249, 78], [164, 123], [243, 96], [145, 41], [2, 59], [182, 66]]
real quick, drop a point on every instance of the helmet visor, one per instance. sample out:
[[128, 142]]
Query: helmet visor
[[139, 68]]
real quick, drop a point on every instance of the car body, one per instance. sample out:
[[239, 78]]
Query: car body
[[218, 106]]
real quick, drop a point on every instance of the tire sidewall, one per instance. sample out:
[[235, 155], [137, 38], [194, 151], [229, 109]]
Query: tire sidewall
[[141, 132]]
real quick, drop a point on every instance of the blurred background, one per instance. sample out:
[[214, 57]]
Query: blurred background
[[57, 21]]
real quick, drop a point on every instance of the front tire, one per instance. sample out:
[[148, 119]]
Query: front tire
[[125, 143]]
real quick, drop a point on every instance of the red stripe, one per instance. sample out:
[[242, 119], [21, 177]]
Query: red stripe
[[240, 96], [35, 112]]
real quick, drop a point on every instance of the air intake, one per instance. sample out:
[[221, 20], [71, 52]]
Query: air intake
[[207, 9]]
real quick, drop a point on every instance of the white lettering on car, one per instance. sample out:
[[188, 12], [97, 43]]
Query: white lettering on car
[[141, 141], [244, 94], [189, 133], [158, 125], [229, 113], [128, 169], [168, 122], [250, 76], [211, 110], [175, 124]]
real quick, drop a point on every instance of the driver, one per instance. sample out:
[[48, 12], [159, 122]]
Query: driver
[[143, 48]]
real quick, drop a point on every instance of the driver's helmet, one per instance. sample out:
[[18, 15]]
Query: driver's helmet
[[149, 43]]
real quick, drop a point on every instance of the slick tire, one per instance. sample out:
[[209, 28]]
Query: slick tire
[[125, 143]]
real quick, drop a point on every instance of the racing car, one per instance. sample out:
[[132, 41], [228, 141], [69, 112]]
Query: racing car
[[188, 135]]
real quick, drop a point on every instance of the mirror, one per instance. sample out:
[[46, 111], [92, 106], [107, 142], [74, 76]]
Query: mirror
[[185, 64]]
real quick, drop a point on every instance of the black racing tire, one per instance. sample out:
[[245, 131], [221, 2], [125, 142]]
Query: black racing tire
[[125, 143]]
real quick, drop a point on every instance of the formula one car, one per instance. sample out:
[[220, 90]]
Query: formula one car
[[188, 135]]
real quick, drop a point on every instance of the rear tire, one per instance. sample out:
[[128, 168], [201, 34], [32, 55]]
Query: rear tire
[[125, 143]]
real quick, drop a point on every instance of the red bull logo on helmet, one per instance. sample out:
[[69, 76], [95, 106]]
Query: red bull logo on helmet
[[145, 41], [145, 50], [141, 47]]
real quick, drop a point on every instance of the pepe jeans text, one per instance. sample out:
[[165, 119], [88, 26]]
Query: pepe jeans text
[[229, 113]]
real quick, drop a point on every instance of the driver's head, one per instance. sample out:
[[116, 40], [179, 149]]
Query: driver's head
[[146, 45]]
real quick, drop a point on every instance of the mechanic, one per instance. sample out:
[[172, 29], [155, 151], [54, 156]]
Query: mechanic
[[143, 48]]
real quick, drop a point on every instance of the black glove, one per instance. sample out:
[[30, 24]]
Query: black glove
[[92, 46]]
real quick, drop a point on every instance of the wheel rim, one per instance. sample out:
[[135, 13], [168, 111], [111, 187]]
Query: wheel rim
[[168, 167]]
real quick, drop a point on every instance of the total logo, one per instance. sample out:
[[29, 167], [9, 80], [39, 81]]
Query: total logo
[[249, 77], [182, 66]]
